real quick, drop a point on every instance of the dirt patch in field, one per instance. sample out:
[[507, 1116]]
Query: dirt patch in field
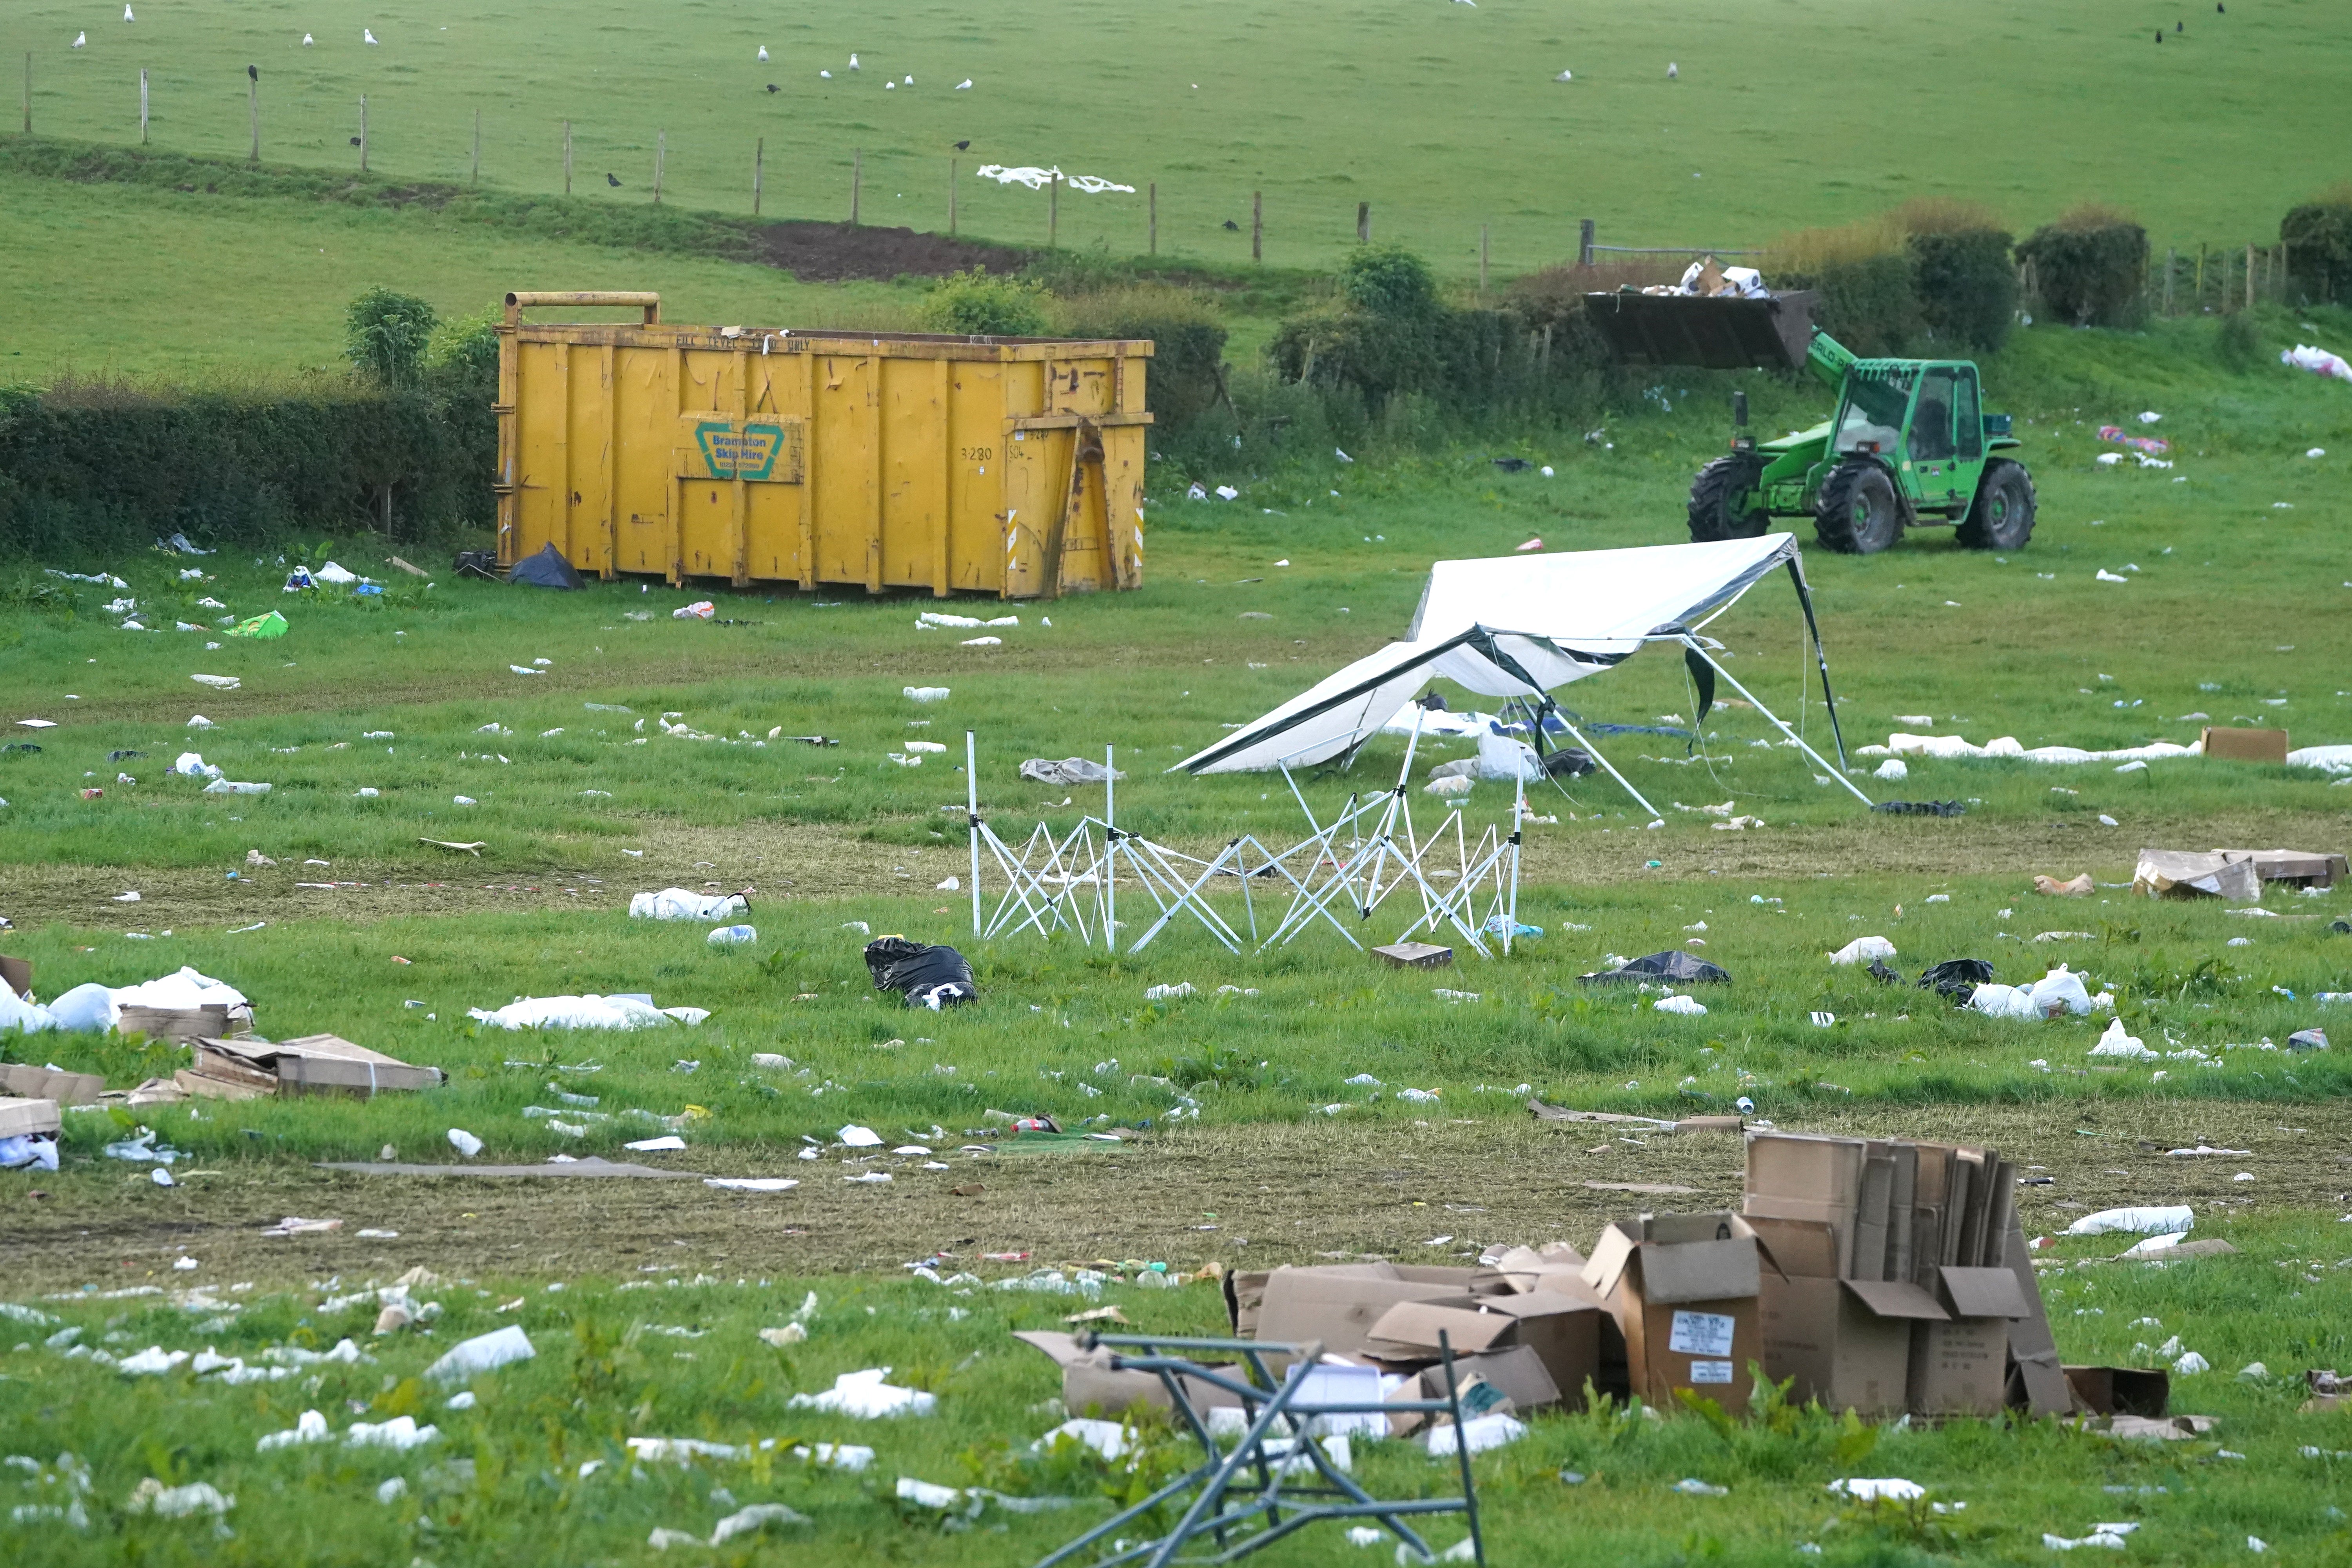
[[839, 252], [1251, 1196]]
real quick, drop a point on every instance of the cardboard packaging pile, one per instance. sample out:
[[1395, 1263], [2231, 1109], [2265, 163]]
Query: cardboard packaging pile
[[1900, 1279], [312, 1064]]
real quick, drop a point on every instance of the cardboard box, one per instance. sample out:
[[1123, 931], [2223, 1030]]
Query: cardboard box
[[41, 1083], [2244, 745], [1961, 1367], [1683, 1291], [1336, 1307], [1415, 955], [1811, 1178], [1846, 1342], [2121, 1389], [19, 1117], [312, 1064], [1562, 1331], [2298, 868], [186, 1026], [1089, 1386]]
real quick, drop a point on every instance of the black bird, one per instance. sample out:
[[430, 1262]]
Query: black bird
[[1513, 465], [252, 73], [2159, 35], [774, 87], [356, 141], [2180, 26], [2220, 8], [612, 181], [963, 147], [1232, 225]]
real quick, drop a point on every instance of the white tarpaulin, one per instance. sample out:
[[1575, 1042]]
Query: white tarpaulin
[[1513, 627], [1036, 179]]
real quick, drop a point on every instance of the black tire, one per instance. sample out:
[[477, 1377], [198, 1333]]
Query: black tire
[[1712, 515], [1859, 511], [2002, 516]]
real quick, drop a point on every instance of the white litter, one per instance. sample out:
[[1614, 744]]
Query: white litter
[[465, 1142], [753, 1183], [2114, 1043], [866, 1395], [1889, 1488], [926, 693], [2157, 1221], [1892, 769], [677, 904], [1689, 1006], [483, 1352], [1480, 1434], [218, 682], [2317, 360], [178, 1502], [733, 936], [585, 1013], [858, 1136], [1037, 179], [1863, 949]]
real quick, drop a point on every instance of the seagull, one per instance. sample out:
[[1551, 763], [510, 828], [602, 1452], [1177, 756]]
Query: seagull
[[79, 40], [306, 40], [965, 83], [1673, 70], [963, 147], [367, 36], [853, 62], [827, 75], [763, 52], [774, 87], [127, 16], [910, 81], [889, 87], [1565, 75], [612, 180]]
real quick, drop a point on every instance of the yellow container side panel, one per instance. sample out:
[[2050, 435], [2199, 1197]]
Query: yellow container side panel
[[976, 535], [538, 455], [645, 436], [1123, 455], [587, 501], [706, 504], [776, 410], [913, 420], [846, 479]]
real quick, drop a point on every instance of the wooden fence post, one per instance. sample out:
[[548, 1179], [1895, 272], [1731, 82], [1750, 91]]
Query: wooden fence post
[[951, 198], [1257, 226], [478, 146], [1482, 264], [567, 157], [2250, 276], [1054, 212], [1363, 223], [1584, 242], [856, 178], [28, 92], [2171, 259], [253, 111], [143, 106], [661, 154], [759, 168], [363, 133], [1153, 204]]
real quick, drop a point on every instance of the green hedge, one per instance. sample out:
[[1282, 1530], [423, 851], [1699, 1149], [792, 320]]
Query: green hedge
[[2090, 271], [88, 471], [1869, 303], [2318, 239], [1966, 285]]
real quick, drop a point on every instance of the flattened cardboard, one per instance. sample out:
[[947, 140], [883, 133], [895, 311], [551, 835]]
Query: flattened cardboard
[[19, 1118], [1089, 1386], [1338, 1306], [1983, 1293], [1517, 1370], [29, 1082], [1409, 1331], [2121, 1389], [1428, 955], [185, 1026], [2243, 745], [2300, 867], [2036, 1381], [311, 1064], [2186, 874], [1562, 1330]]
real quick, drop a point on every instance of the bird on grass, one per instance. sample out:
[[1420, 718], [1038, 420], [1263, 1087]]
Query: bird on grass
[[853, 61], [763, 52], [127, 16], [612, 179], [963, 147], [367, 36], [2180, 27], [356, 141], [306, 40], [1232, 225], [2159, 35], [80, 39], [826, 75], [774, 87], [1674, 71]]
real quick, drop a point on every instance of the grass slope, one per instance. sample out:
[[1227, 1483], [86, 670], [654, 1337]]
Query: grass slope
[[1442, 116]]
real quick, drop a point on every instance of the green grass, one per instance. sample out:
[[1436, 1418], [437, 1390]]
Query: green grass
[[537, 1470], [1443, 118]]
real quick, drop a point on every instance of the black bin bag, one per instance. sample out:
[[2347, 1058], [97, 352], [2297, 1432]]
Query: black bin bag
[[934, 977]]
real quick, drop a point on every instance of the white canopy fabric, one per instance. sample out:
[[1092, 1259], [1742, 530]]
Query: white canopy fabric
[[1513, 626]]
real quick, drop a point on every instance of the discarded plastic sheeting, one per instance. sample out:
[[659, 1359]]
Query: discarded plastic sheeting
[[1067, 771], [2158, 1221], [483, 1352], [1037, 179], [1481, 1433], [677, 904], [926, 976], [867, 1394], [588, 1166], [585, 1013], [1904, 745], [1862, 950], [1674, 964]]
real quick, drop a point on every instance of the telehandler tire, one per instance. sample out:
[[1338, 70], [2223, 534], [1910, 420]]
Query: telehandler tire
[[1858, 511], [2002, 516], [1713, 516]]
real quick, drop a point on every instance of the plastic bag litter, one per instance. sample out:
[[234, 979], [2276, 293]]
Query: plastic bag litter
[[193, 766], [152, 1496], [483, 1352], [866, 1395], [465, 1142], [1863, 949], [1672, 965], [1108, 1438], [1168, 993], [263, 627], [586, 1013], [1480, 1433], [1690, 1005], [1452, 786], [1894, 770], [2114, 1043], [677, 904], [2318, 361], [733, 936], [27, 1152], [218, 682], [2157, 1221], [926, 976], [226, 786], [1889, 1488], [926, 693], [2003, 1002], [310, 1427], [1067, 771], [2061, 991], [1955, 979], [700, 610], [185, 989], [1505, 758], [17, 1014]]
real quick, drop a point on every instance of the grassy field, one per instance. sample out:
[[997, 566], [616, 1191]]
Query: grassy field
[[1443, 118]]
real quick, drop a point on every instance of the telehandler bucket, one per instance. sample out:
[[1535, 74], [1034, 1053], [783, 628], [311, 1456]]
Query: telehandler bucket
[[1714, 333]]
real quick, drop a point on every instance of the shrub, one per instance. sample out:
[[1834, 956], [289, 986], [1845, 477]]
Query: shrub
[[976, 304], [2318, 239], [2236, 344], [1188, 342], [384, 336], [1864, 278], [2090, 266], [1388, 281], [1966, 285]]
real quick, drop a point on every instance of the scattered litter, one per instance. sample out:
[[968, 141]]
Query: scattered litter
[[465, 1142], [636, 1012], [1689, 1006], [1863, 949], [483, 1352], [178, 1502], [1068, 770], [700, 610], [2076, 887], [927, 693], [677, 904], [733, 936], [866, 1394], [2161, 1221], [926, 976]]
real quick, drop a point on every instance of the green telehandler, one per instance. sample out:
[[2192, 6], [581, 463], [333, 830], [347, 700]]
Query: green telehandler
[[1909, 445]]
